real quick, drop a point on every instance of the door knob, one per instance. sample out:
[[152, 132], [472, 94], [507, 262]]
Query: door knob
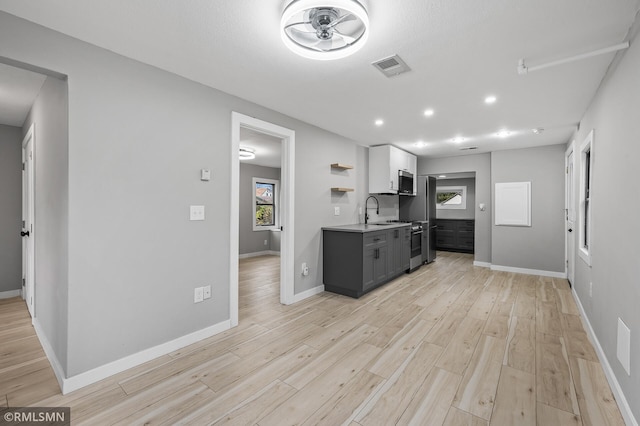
[[24, 234], [570, 230]]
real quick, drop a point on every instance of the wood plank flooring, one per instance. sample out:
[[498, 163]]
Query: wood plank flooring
[[450, 344]]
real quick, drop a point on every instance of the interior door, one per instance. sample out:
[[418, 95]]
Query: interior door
[[570, 213], [28, 263]]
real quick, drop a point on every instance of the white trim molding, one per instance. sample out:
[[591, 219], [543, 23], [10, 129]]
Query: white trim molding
[[9, 294], [259, 253], [621, 400], [539, 272], [88, 377], [482, 264], [307, 293]]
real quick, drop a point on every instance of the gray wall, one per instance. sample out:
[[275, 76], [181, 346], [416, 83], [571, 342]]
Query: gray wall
[[10, 208], [481, 165], [540, 246], [470, 211], [138, 137], [615, 269], [49, 113], [253, 241]]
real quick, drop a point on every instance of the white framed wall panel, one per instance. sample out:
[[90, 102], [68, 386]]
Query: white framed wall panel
[[513, 204]]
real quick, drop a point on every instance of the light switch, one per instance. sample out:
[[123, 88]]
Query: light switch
[[196, 213], [336, 211], [205, 175]]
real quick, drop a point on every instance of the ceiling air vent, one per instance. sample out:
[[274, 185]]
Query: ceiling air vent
[[391, 66], [467, 148]]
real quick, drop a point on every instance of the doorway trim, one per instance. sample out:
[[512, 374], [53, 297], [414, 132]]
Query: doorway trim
[[28, 217], [287, 277], [570, 213]]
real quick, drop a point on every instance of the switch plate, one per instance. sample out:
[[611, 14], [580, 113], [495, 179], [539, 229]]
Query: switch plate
[[198, 295], [336, 211], [305, 269], [591, 289], [206, 292], [205, 175], [196, 213]]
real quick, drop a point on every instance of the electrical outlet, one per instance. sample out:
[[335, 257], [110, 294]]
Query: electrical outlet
[[590, 289], [336, 211], [265, 242], [206, 292], [198, 295], [196, 212]]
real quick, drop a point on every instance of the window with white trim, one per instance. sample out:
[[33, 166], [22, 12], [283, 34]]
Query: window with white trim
[[585, 206], [265, 204]]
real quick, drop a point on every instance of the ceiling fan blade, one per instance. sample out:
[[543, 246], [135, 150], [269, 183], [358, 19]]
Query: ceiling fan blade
[[297, 23], [347, 39], [306, 37], [343, 18]]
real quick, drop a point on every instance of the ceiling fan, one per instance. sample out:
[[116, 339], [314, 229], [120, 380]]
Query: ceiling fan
[[324, 29]]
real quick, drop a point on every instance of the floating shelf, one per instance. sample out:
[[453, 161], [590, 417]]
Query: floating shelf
[[341, 166], [342, 189]]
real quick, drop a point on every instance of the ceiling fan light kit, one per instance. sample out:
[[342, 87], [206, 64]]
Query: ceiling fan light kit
[[324, 29]]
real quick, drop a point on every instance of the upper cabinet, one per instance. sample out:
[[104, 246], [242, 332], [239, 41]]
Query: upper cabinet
[[384, 164]]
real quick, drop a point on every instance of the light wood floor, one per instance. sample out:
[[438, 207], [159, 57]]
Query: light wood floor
[[450, 344]]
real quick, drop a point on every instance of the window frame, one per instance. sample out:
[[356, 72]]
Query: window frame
[[585, 206], [276, 204]]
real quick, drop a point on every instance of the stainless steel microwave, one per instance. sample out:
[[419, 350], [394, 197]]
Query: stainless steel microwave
[[405, 183]]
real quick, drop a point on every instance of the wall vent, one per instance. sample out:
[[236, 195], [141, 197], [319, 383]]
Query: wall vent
[[467, 148], [391, 66]]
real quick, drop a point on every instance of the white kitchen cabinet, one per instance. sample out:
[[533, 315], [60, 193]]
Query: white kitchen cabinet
[[384, 163]]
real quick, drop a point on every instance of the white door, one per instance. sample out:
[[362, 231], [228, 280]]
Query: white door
[[28, 264], [570, 209]]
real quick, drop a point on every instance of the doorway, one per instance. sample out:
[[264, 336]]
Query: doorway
[[238, 122], [27, 233], [570, 213]]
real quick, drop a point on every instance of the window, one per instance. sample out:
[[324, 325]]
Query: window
[[265, 204], [586, 180], [451, 197]]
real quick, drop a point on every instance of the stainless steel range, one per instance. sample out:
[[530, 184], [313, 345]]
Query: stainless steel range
[[416, 246]]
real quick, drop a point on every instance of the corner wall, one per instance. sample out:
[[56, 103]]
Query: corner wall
[[481, 165], [138, 137], [49, 114], [615, 202], [10, 209], [539, 247], [253, 241]]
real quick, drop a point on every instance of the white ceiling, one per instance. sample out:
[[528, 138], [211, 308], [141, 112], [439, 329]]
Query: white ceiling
[[459, 52], [267, 148], [18, 89]]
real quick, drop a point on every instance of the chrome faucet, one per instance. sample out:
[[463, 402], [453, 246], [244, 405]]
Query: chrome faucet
[[366, 208]]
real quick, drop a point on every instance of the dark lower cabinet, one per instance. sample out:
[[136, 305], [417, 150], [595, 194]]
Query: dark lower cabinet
[[455, 235], [356, 262]]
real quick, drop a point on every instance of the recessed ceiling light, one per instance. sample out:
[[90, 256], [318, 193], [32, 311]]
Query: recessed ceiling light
[[420, 144], [320, 29], [458, 139], [246, 153], [442, 176], [490, 99], [379, 122], [429, 112], [503, 133], [537, 130]]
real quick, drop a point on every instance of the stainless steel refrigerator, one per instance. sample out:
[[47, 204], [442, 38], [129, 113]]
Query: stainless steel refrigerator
[[422, 208]]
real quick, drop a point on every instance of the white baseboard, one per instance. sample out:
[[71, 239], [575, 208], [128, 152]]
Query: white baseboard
[[259, 253], [623, 404], [9, 294], [307, 293], [50, 353], [540, 272], [84, 379], [481, 264]]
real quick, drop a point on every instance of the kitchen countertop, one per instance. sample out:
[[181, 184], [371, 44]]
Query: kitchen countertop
[[361, 227]]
